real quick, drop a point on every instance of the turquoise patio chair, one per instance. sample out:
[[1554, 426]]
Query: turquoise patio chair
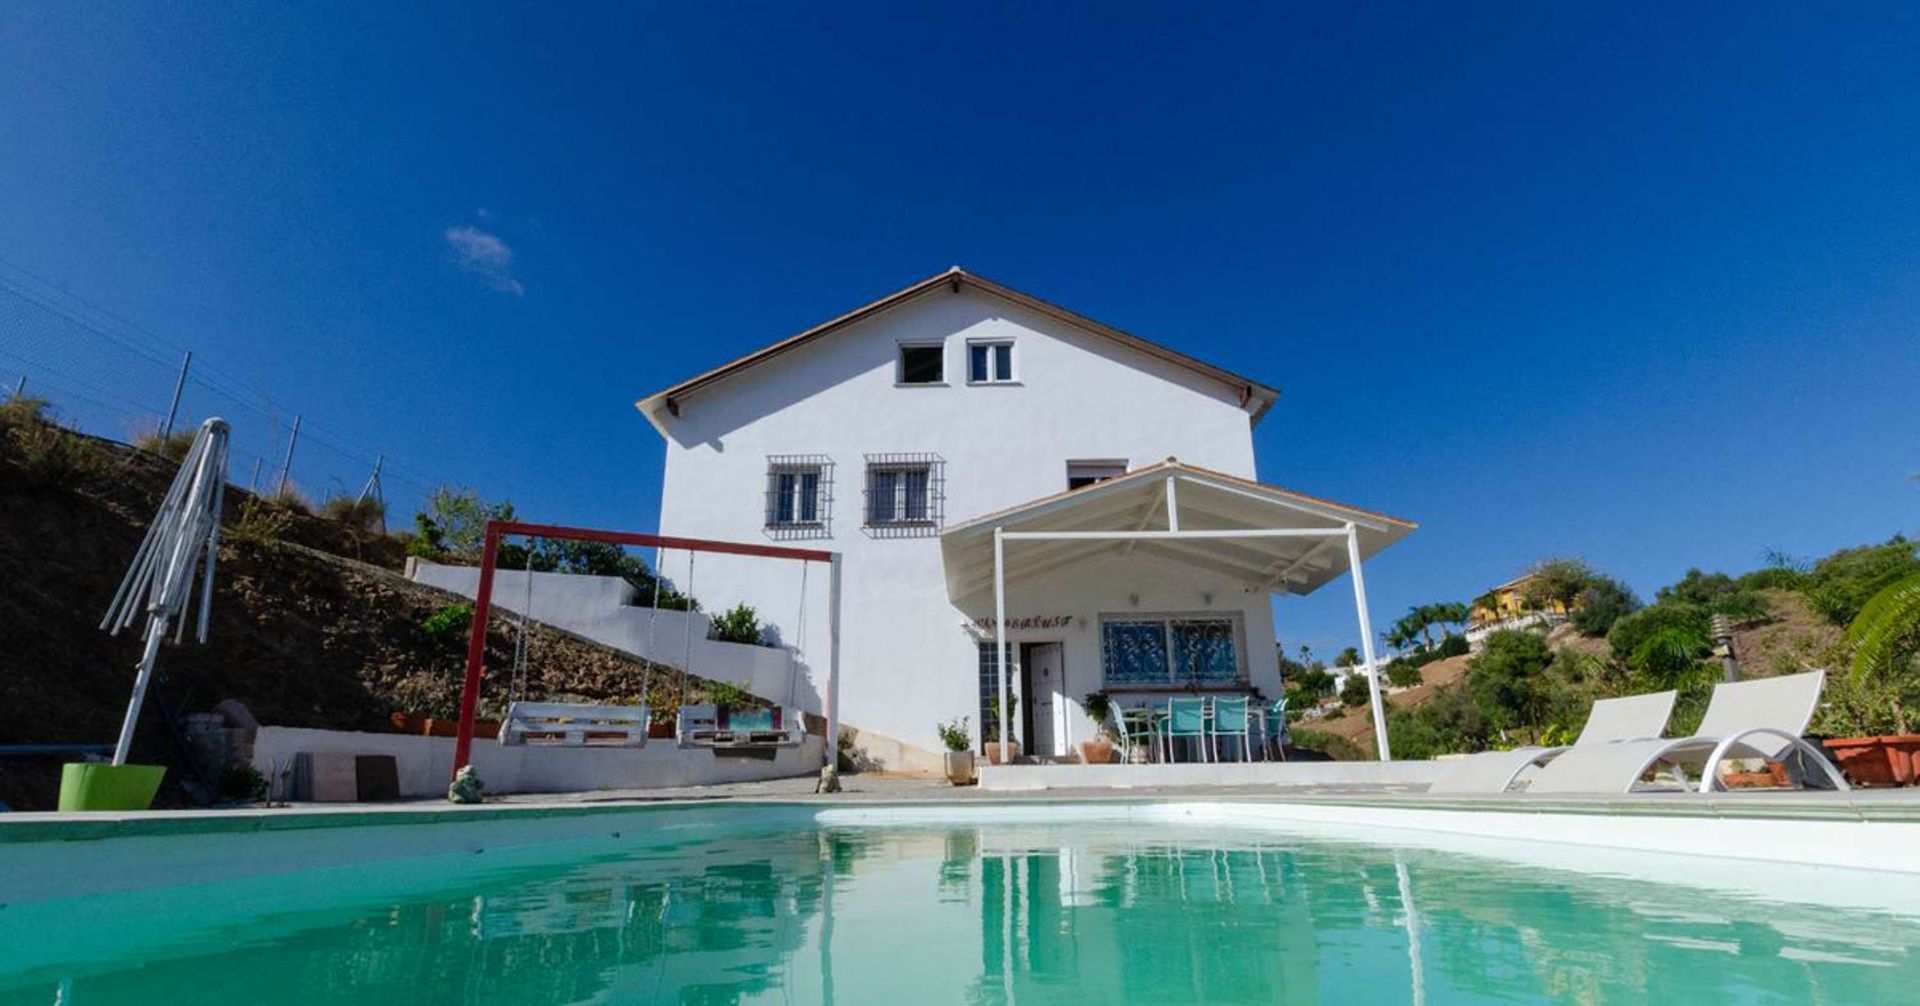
[[1185, 718], [1274, 737], [1230, 719]]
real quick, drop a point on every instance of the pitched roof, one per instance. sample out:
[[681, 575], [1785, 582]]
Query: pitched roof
[[1254, 395]]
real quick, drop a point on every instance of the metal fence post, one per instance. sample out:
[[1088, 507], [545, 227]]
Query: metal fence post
[[179, 385], [286, 466]]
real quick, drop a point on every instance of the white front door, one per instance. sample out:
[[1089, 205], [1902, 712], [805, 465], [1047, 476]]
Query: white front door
[[1047, 673]]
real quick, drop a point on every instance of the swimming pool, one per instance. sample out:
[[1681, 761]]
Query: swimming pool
[[1044, 905]]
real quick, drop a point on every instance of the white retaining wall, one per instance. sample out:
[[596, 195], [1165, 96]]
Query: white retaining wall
[[426, 763], [600, 608]]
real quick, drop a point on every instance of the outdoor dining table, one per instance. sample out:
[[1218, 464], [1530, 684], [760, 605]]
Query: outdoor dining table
[[1154, 717]]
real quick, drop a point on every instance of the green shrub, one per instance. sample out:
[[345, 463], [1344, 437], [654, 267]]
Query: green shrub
[[241, 783], [47, 453], [1403, 673], [451, 622], [1332, 745], [730, 695], [258, 522], [738, 624], [1506, 680], [955, 735], [1604, 602], [289, 499], [1840, 585], [1355, 691], [24, 410], [172, 446], [1630, 631], [990, 730], [1451, 645], [359, 513], [1447, 723]]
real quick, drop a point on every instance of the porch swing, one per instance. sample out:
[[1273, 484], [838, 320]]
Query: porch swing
[[568, 724], [723, 729]]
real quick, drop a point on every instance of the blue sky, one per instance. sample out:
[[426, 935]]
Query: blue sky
[[1631, 284]]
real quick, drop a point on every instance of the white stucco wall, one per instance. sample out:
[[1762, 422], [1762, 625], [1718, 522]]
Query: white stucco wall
[[597, 608], [907, 662]]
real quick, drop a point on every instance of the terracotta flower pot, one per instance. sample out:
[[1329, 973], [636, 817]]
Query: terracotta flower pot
[[1877, 761], [1773, 776], [960, 767], [993, 751], [1096, 752]]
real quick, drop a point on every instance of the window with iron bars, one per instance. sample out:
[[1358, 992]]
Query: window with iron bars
[[906, 495], [799, 496]]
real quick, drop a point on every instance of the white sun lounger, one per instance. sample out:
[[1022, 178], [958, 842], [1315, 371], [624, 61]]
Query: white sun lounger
[[1631, 718], [1750, 719]]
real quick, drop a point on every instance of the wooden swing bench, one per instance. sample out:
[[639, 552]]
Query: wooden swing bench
[[575, 725], [715, 727]]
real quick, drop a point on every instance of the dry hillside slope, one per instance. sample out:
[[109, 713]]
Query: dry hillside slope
[[1792, 639], [304, 637]]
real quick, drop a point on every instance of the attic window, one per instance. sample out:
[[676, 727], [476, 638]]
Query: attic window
[[989, 362], [923, 363], [1086, 473]]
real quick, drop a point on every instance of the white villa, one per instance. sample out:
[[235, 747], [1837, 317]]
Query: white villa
[[960, 428]]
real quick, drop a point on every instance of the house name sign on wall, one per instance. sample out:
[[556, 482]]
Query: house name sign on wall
[[985, 623]]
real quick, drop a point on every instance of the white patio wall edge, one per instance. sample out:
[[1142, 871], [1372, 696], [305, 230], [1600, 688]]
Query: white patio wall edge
[[424, 762]]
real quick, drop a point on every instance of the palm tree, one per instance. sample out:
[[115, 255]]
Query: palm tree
[[1885, 634], [1424, 614]]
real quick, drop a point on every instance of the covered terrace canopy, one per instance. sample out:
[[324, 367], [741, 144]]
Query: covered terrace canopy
[[1263, 537]]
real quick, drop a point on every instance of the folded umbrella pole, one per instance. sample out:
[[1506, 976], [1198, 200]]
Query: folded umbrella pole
[[160, 583]]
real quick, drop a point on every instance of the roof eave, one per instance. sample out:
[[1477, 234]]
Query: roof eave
[[1257, 398]]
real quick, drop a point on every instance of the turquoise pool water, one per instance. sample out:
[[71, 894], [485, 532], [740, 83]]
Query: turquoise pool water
[[1108, 913]]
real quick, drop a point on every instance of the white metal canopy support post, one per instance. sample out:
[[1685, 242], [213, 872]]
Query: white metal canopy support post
[[1366, 644], [1000, 633], [833, 661]]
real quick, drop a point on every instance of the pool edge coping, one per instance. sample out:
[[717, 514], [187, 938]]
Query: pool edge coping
[[110, 825]]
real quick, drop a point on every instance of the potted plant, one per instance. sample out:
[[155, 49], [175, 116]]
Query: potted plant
[[1099, 749], [990, 730], [1867, 706], [958, 741]]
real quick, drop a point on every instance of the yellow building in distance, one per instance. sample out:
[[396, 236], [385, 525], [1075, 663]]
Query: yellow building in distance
[[1509, 601]]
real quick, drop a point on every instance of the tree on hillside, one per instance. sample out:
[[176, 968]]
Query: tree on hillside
[[1348, 657], [1506, 679], [1604, 602], [1313, 684], [454, 524], [1355, 690], [1557, 581]]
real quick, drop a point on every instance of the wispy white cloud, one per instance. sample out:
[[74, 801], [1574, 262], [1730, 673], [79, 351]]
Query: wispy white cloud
[[486, 256]]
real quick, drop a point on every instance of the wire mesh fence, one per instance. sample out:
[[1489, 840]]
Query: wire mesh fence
[[110, 377]]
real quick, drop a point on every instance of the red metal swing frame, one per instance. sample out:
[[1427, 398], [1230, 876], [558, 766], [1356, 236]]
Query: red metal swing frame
[[483, 601]]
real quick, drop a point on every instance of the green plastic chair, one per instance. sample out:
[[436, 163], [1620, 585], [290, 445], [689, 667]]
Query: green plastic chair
[[1186, 718]]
